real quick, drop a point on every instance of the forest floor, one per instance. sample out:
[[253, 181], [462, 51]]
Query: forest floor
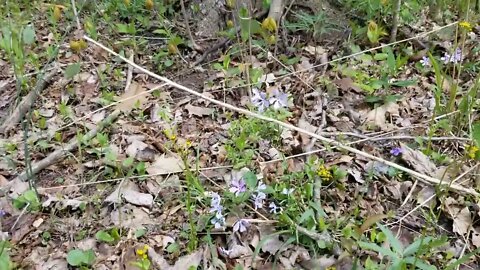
[[289, 152]]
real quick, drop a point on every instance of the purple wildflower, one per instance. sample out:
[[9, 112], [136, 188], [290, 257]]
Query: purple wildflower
[[2, 213], [425, 61], [260, 100], [241, 225], [215, 203], [396, 151], [258, 200], [238, 186], [278, 99], [218, 220], [446, 58], [457, 57], [274, 208], [261, 186]]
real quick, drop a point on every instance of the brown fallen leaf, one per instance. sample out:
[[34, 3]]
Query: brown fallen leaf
[[377, 117], [133, 90], [418, 160], [198, 111], [461, 216], [165, 165], [347, 84]]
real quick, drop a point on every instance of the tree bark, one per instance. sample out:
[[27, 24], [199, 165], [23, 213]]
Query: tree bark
[[396, 14], [276, 10]]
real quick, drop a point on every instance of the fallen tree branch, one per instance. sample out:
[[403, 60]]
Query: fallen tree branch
[[423, 177], [14, 118], [20, 181]]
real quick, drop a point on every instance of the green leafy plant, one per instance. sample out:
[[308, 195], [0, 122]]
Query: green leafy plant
[[81, 258], [315, 25], [5, 262], [108, 236], [28, 199], [402, 257]]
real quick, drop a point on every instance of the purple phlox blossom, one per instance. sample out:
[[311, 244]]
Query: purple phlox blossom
[[2, 213], [215, 203], [218, 220], [425, 61], [287, 191], [446, 58], [259, 100], [278, 99], [241, 225], [216, 208], [238, 186], [261, 186], [258, 200], [396, 151], [274, 208], [457, 57]]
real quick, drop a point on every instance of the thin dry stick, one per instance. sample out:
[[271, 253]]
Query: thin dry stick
[[424, 177], [129, 73]]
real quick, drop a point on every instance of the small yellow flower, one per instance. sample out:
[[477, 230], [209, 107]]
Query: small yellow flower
[[324, 173], [466, 25], [142, 252], [188, 144], [472, 151], [230, 24], [269, 24]]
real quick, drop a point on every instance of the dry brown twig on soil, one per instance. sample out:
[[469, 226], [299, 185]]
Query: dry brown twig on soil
[[423, 177]]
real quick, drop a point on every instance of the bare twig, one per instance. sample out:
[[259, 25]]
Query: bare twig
[[129, 73], [20, 216], [26, 103], [423, 177]]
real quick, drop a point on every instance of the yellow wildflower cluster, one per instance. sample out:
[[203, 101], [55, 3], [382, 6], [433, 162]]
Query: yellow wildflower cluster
[[466, 25], [472, 151], [142, 253], [324, 172], [170, 135]]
